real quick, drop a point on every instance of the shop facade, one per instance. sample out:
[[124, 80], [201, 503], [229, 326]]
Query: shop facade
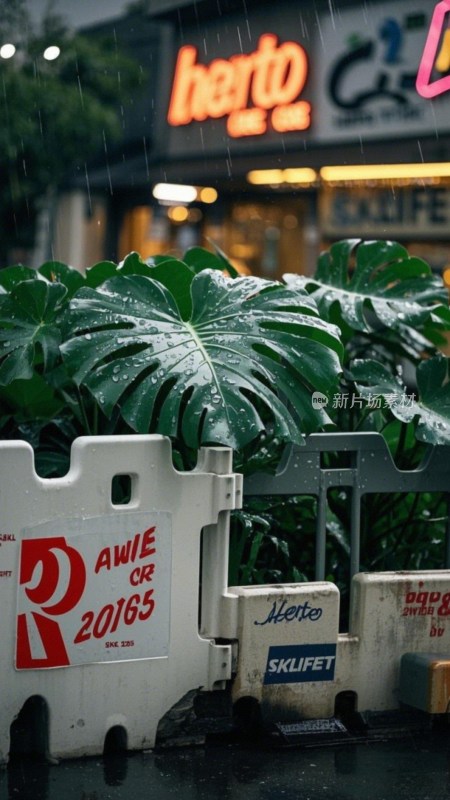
[[257, 107]]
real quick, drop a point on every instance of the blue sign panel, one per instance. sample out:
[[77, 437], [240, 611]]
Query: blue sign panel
[[300, 663]]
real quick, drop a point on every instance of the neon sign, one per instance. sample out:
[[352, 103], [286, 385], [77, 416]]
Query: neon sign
[[251, 90], [431, 58]]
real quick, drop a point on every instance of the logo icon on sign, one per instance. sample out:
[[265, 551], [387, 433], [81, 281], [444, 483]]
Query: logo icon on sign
[[319, 400], [52, 577], [436, 55], [304, 663]]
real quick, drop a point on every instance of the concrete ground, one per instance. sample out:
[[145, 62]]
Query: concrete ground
[[414, 768]]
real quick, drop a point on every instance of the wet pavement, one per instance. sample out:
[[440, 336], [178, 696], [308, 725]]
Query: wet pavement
[[414, 768]]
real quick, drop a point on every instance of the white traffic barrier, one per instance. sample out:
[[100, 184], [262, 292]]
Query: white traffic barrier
[[100, 601], [295, 663], [392, 613], [287, 644]]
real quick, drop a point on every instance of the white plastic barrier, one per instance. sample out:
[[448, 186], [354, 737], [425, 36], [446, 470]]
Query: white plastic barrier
[[293, 661], [100, 602]]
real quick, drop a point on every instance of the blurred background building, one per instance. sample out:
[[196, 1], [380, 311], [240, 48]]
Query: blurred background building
[[271, 130]]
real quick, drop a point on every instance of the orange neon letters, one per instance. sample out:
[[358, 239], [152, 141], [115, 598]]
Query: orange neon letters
[[248, 122], [241, 88], [293, 117]]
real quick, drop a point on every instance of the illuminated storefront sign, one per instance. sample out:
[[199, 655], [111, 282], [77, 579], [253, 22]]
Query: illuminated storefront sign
[[254, 90], [373, 82], [436, 55], [382, 213]]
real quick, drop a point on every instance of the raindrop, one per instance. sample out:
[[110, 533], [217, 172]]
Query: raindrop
[[107, 165], [88, 188], [80, 89], [146, 156]]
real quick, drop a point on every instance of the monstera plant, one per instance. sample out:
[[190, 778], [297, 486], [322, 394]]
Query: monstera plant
[[393, 316], [379, 295], [188, 348], [173, 346], [394, 319]]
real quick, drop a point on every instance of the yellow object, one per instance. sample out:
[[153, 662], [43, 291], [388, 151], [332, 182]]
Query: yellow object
[[443, 60], [439, 686]]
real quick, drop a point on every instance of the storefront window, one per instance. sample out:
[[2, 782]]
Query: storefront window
[[152, 231], [266, 238]]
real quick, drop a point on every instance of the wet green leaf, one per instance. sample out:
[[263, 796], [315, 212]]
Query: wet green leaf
[[376, 287], [56, 272], [99, 273], [249, 357], [431, 412], [29, 328], [10, 276], [31, 399]]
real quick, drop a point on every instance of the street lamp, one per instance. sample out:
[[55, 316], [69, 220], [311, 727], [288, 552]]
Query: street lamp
[[7, 50], [51, 53]]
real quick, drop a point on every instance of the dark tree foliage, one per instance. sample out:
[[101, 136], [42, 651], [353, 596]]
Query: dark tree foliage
[[56, 115]]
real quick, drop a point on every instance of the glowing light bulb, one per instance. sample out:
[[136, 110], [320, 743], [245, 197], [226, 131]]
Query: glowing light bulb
[[51, 53], [7, 51]]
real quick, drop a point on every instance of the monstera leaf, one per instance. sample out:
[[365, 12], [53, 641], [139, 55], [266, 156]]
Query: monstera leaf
[[29, 329], [56, 272], [248, 358], [10, 276], [376, 286], [175, 275], [431, 411]]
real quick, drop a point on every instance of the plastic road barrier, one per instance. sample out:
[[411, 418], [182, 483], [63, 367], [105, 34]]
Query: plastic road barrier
[[100, 598]]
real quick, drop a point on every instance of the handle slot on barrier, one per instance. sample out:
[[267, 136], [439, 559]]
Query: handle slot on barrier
[[123, 489]]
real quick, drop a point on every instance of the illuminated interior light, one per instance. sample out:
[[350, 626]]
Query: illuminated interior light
[[265, 176], [51, 53], [243, 251], [207, 195], [7, 51], [272, 177], [178, 213], [299, 175], [379, 172], [175, 192]]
